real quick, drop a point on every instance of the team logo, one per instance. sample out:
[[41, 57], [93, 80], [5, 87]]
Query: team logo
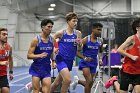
[[6, 54]]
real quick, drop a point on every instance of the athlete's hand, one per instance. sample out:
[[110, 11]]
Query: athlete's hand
[[11, 76], [100, 61], [135, 58], [42, 55], [4, 63], [88, 59], [53, 65], [56, 50]]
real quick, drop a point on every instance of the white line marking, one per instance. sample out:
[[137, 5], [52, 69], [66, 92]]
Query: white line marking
[[21, 74], [16, 84], [21, 79], [18, 91]]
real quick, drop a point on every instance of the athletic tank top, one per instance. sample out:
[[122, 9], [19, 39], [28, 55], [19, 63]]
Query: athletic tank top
[[43, 47], [130, 66], [90, 49], [4, 54], [67, 46]]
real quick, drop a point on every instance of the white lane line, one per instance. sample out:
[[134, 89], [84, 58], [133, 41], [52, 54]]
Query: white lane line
[[16, 84], [21, 74], [17, 71], [18, 91], [20, 79]]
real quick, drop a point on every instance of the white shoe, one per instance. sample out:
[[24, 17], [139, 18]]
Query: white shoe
[[74, 83], [29, 86]]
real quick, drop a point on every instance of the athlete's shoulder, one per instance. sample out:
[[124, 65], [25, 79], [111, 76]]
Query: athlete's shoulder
[[8, 46], [85, 40], [79, 34], [60, 31], [58, 34], [78, 31], [100, 39], [52, 37], [35, 39], [131, 38]]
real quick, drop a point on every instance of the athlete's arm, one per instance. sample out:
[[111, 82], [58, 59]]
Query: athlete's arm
[[101, 47], [78, 40], [10, 64], [4, 62], [79, 54], [10, 59], [58, 34], [30, 54], [53, 55], [100, 51], [129, 41]]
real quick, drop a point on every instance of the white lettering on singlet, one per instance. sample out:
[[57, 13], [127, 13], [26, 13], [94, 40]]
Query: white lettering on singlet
[[45, 48], [5, 55], [69, 40], [93, 47]]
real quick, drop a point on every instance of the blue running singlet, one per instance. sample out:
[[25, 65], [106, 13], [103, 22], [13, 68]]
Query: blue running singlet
[[41, 66], [90, 49]]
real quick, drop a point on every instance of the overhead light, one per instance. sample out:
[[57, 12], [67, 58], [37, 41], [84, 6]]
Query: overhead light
[[51, 9], [52, 5]]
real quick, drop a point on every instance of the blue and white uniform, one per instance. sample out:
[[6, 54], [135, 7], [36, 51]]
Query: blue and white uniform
[[41, 66], [67, 51], [90, 49]]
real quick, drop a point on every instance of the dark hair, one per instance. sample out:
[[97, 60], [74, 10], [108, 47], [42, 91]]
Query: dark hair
[[3, 29], [46, 21], [95, 25], [135, 24], [71, 15]]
